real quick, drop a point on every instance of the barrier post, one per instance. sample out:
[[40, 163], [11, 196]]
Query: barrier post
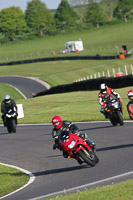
[[113, 72], [108, 72], [103, 73], [95, 76], [99, 74], [126, 70], [132, 69]]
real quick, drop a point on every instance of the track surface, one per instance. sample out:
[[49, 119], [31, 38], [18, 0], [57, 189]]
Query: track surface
[[27, 86], [31, 148]]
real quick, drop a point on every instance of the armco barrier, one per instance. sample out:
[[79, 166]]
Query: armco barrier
[[87, 85], [97, 57]]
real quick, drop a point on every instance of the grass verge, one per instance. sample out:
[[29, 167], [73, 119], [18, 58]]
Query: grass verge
[[119, 191], [73, 106], [11, 179]]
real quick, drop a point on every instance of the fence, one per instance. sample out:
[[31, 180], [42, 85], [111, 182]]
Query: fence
[[114, 73]]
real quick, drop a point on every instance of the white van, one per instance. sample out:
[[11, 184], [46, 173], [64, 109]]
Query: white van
[[74, 46]]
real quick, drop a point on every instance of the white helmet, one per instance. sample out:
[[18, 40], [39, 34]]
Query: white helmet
[[130, 94], [7, 98], [103, 87]]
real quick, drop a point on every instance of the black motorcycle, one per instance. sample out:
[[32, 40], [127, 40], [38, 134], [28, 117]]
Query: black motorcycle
[[114, 110], [11, 120]]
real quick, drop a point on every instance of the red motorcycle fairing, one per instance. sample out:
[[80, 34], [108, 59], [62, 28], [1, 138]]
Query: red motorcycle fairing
[[77, 144], [75, 147]]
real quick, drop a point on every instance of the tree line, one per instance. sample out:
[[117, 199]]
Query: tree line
[[71, 15]]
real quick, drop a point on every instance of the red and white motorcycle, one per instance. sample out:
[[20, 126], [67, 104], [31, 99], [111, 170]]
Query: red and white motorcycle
[[77, 148]]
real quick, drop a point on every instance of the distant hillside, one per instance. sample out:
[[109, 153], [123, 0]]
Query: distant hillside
[[53, 11]]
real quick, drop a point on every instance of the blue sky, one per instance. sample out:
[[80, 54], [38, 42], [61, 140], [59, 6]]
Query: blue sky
[[51, 4]]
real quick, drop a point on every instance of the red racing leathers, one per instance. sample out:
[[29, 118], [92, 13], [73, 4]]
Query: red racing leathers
[[130, 109]]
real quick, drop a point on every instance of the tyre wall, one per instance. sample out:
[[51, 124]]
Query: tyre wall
[[92, 84], [97, 57]]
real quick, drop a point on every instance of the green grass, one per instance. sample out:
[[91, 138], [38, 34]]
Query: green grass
[[96, 41], [7, 89], [11, 179], [101, 40], [119, 191], [64, 72], [73, 106], [42, 109]]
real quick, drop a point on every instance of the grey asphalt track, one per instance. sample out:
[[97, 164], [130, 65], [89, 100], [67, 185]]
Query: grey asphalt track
[[31, 148], [27, 86]]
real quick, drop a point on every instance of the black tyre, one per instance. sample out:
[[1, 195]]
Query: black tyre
[[90, 159], [114, 122], [13, 125], [9, 128], [120, 117]]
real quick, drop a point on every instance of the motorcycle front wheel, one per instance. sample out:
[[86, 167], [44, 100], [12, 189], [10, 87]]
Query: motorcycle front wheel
[[13, 122], [119, 117], [114, 123], [11, 125], [8, 125], [88, 158]]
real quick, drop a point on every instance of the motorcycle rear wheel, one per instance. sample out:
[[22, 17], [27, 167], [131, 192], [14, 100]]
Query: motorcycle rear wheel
[[90, 161]]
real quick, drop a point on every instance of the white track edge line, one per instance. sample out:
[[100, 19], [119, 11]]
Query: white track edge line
[[31, 180], [82, 186], [90, 122], [17, 90]]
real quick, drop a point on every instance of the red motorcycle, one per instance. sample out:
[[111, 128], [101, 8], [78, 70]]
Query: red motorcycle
[[75, 147]]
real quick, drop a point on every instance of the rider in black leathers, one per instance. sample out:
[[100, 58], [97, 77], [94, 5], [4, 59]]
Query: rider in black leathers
[[7, 104]]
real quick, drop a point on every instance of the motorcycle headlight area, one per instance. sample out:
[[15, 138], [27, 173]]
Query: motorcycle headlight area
[[115, 105], [72, 144]]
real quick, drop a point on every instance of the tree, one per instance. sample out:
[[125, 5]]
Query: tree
[[108, 7], [65, 17], [81, 6], [39, 18], [12, 22], [124, 9], [95, 15]]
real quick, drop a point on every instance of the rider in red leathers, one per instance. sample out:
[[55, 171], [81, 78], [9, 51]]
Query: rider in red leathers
[[60, 126], [104, 92], [130, 103]]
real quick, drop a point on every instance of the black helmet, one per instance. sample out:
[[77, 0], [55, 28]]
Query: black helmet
[[7, 98]]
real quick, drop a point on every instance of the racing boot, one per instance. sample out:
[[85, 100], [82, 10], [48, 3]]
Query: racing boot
[[58, 146], [4, 122], [65, 154], [106, 115], [83, 135]]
